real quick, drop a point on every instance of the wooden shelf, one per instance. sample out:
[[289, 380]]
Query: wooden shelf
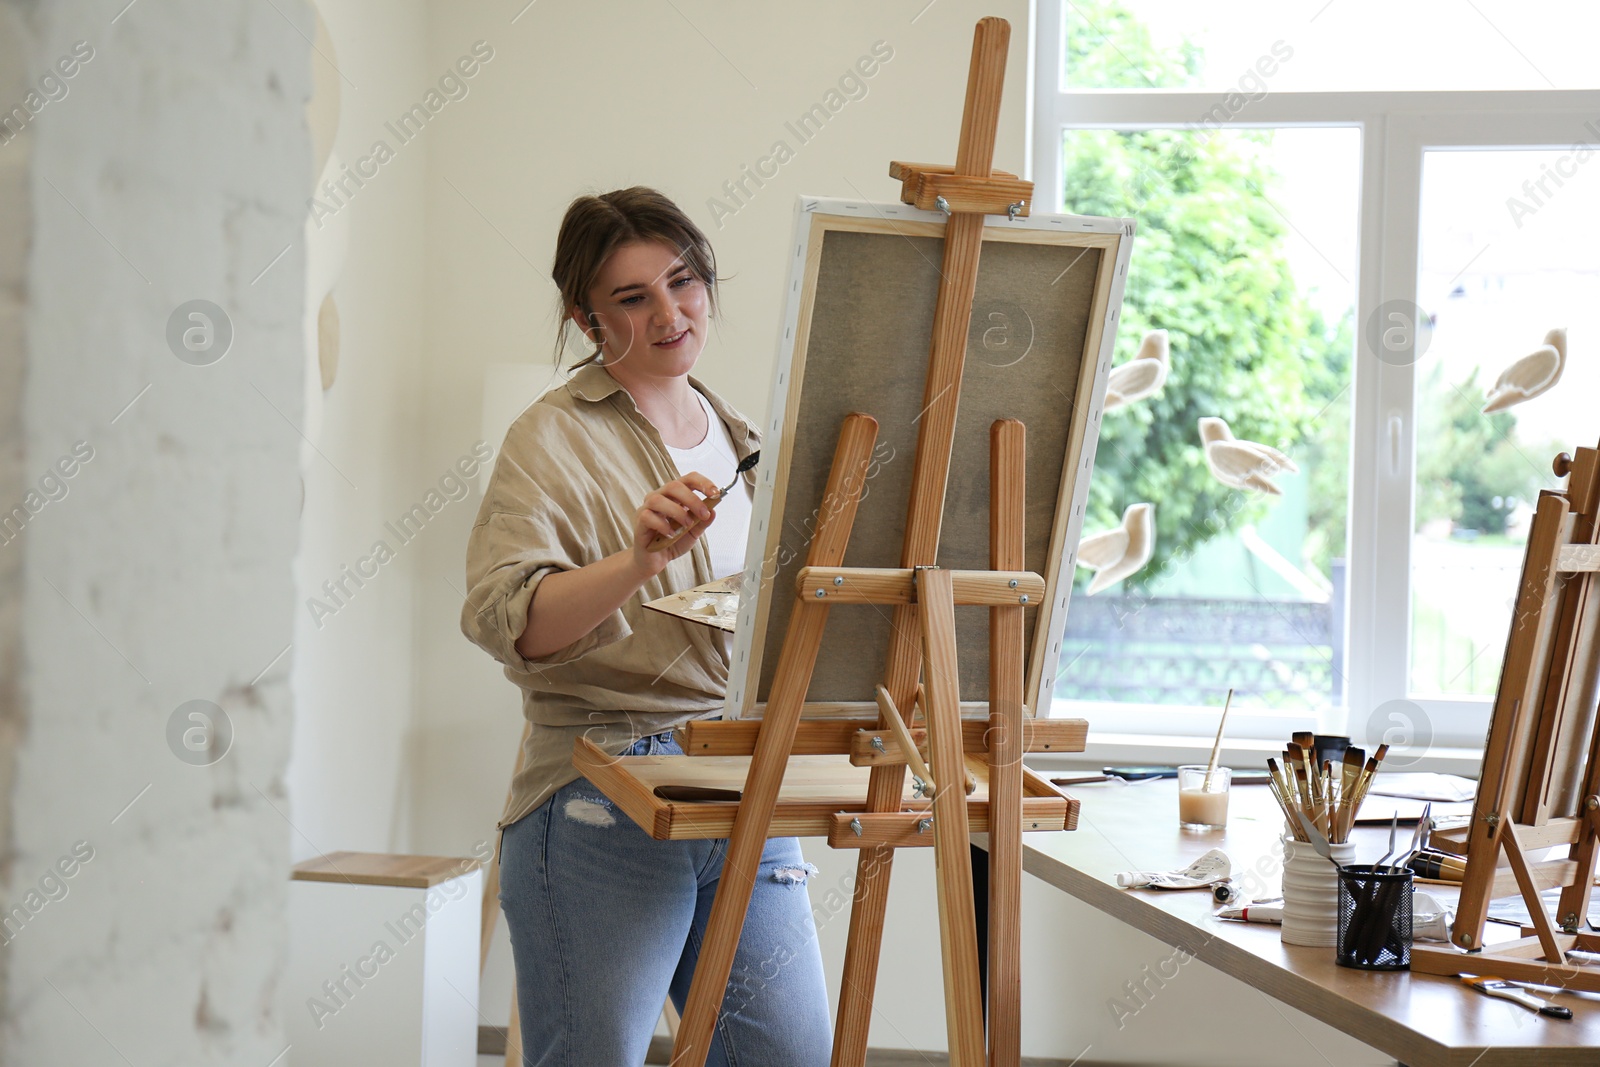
[[383, 868]]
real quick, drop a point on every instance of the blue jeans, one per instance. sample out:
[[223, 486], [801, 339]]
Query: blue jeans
[[606, 922]]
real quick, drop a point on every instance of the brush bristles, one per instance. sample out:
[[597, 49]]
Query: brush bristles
[[1328, 795]]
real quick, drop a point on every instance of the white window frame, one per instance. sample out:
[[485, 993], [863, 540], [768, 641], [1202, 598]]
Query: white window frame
[[1396, 128]]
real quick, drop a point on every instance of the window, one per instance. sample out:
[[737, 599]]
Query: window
[[1342, 274]]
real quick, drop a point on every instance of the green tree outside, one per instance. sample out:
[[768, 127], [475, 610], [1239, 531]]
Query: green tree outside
[[1472, 473], [1210, 267]]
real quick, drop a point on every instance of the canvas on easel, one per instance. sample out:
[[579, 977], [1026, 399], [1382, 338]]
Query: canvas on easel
[[862, 288], [1540, 783]]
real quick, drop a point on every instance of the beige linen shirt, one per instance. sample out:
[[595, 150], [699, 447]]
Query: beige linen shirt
[[573, 470]]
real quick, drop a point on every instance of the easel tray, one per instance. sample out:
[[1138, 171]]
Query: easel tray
[[815, 790]]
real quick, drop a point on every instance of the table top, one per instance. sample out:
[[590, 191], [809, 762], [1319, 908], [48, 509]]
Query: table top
[[1421, 1020]]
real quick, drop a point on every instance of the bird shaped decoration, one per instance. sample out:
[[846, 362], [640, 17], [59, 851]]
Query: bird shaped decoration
[[1533, 374], [1241, 464], [1121, 552], [1141, 376]]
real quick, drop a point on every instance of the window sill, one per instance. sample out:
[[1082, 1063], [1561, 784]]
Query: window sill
[[1111, 749]]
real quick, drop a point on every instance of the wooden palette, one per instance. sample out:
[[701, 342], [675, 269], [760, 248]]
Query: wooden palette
[[715, 604]]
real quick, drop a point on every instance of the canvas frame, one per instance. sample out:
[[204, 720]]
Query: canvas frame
[[819, 297]]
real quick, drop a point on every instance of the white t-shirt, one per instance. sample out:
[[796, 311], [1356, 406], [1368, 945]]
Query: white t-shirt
[[715, 458]]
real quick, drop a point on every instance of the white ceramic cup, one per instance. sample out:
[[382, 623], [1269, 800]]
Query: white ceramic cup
[[1311, 893]]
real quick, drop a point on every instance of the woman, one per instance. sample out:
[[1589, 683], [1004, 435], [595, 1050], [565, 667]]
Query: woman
[[606, 922]]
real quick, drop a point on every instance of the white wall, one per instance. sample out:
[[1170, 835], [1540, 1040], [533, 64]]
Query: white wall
[[354, 669], [16, 211], [170, 171]]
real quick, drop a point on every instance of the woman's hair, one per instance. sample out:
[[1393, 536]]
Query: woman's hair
[[596, 226]]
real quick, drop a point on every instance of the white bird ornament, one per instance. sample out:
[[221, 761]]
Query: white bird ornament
[[1121, 552], [1533, 374], [1241, 464], [1141, 376]]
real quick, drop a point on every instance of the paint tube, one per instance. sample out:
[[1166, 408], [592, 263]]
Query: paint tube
[[1265, 912]]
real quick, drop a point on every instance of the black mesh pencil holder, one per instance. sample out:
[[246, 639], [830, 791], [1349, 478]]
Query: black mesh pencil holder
[[1374, 918]]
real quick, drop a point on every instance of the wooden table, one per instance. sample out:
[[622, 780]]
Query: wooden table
[[1421, 1020]]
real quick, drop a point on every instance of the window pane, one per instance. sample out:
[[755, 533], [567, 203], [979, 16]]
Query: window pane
[[1251, 47], [1508, 251], [1246, 255]]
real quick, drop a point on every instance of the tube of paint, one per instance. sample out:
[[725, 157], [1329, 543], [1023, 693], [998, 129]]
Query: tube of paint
[[1269, 912]]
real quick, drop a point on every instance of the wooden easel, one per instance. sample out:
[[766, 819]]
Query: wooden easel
[[791, 785], [923, 643], [1540, 784]]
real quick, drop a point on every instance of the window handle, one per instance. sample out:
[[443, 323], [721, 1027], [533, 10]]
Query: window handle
[[1396, 425]]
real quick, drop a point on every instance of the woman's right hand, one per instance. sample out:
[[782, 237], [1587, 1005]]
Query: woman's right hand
[[665, 512]]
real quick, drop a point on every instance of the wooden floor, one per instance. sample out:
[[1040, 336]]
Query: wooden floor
[[661, 1051]]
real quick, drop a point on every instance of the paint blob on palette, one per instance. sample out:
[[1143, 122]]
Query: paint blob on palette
[[714, 604]]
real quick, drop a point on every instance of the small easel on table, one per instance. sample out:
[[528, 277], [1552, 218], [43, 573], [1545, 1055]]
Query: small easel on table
[[792, 783], [1540, 784]]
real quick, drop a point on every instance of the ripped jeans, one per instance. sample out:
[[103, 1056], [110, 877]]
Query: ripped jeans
[[606, 922]]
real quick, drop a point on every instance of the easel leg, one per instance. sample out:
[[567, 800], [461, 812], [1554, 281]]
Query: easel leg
[[1575, 898], [1007, 478], [871, 902], [885, 785], [1542, 926], [773, 744], [958, 939]]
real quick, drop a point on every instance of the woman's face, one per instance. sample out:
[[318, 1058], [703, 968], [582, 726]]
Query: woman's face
[[651, 310]]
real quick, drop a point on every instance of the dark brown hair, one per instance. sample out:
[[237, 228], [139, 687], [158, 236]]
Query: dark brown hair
[[596, 226]]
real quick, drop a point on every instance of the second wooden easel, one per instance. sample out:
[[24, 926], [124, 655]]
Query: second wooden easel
[[1540, 784]]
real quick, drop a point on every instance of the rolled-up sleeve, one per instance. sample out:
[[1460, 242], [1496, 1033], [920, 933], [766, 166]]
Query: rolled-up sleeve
[[524, 532]]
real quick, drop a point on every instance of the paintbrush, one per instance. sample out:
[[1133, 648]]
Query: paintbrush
[[1377, 765], [1353, 760], [1327, 798], [1296, 772], [1303, 760], [1308, 745], [1368, 773], [1277, 776], [1278, 779], [1288, 809], [1216, 747], [664, 542]]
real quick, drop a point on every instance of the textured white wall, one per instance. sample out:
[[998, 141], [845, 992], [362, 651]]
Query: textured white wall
[[353, 661], [16, 207], [171, 170]]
